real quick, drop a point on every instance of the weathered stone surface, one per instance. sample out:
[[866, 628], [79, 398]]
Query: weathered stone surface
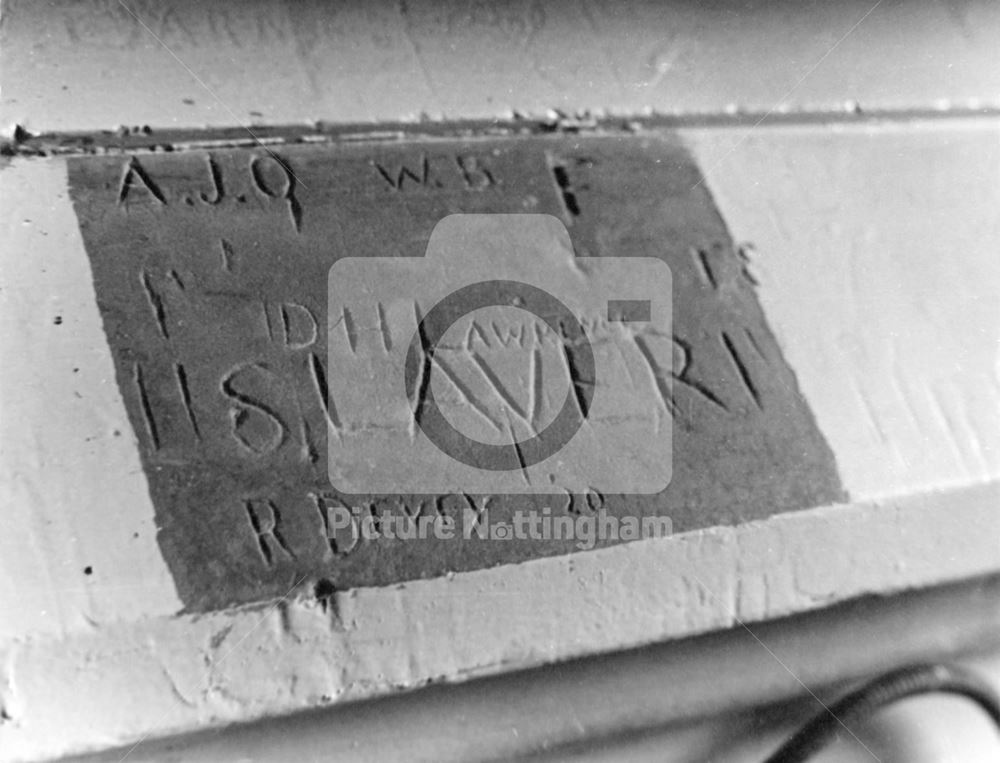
[[210, 271]]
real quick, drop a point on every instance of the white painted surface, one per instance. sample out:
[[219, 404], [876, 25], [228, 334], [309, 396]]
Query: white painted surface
[[94, 65], [123, 681], [878, 252], [72, 491], [707, 699]]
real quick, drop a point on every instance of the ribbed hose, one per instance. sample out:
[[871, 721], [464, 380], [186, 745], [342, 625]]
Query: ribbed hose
[[899, 684]]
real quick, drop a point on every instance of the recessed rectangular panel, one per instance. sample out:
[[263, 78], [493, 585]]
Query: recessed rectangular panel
[[211, 273]]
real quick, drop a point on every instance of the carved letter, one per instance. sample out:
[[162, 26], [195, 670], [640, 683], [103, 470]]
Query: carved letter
[[264, 519], [287, 192], [136, 175], [299, 325], [218, 190]]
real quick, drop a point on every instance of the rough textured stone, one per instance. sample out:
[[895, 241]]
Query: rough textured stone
[[210, 270]]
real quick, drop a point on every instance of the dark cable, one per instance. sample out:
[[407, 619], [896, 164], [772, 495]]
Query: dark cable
[[897, 685]]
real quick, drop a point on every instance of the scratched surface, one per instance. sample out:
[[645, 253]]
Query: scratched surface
[[210, 270]]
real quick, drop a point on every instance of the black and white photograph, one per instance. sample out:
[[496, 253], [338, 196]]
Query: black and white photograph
[[473, 381]]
